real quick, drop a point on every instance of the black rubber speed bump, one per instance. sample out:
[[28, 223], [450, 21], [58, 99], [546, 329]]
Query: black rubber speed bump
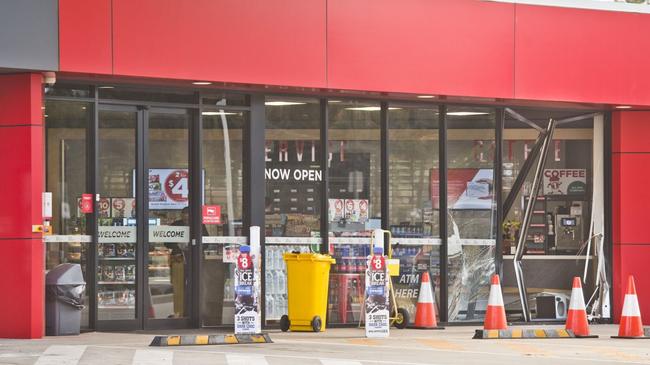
[[524, 334], [646, 335], [196, 340]]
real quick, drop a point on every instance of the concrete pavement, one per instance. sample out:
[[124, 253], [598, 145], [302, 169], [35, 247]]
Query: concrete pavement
[[334, 347]]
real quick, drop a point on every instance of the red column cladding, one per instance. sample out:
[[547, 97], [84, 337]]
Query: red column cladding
[[630, 201], [21, 158]]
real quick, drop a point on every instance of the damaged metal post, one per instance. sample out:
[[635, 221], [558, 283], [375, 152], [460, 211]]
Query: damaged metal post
[[521, 242]]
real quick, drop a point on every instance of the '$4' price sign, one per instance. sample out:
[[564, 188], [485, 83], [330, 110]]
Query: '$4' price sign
[[176, 186]]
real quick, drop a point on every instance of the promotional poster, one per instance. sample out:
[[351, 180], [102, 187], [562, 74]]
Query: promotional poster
[[377, 296], [247, 316]]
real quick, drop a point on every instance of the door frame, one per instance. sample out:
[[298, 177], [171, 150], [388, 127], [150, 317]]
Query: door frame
[[143, 302]]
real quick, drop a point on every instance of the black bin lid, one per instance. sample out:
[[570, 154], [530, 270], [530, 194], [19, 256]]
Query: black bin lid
[[65, 274]]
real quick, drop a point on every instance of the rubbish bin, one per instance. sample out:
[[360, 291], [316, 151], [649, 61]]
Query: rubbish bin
[[64, 288], [307, 284]]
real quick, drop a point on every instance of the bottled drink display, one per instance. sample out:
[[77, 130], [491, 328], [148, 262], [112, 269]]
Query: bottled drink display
[[276, 280]]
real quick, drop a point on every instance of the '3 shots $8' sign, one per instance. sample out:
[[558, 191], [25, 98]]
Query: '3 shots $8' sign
[[376, 298], [246, 301]]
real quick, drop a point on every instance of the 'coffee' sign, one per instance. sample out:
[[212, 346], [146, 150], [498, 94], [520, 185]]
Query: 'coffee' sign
[[565, 181]]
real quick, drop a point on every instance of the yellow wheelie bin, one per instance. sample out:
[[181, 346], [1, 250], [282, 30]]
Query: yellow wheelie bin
[[307, 283]]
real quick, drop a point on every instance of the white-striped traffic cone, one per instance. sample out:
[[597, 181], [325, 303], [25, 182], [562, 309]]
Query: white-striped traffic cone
[[631, 323], [576, 319], [495, 316], [425, 312]]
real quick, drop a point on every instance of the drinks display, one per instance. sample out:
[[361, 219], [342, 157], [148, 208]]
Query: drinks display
[[276, 279]]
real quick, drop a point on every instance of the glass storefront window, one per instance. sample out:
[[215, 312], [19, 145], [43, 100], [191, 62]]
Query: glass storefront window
[[293, 179], [472, 210], [560, 222], [293, 173], [414, 200], [66, 124], [222, 147], [354, 207]]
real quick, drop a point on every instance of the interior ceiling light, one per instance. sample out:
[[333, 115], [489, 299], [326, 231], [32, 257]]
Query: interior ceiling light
[[369, 108], [426, 96], [466, 114], [334, 101], [623, 107], [219, 113], [201, 83], [106, 87], [283, 103]]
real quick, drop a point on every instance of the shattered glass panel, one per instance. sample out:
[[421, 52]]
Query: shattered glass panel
[[471, 211]]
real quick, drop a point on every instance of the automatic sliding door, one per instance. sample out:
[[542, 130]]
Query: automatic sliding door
[[168, 261], [117, 249]]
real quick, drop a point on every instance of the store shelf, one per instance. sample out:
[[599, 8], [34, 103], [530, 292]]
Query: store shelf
[[117, 258], [115, 282]]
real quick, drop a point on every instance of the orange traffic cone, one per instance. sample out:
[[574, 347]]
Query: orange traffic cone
[[631, 324], [577, 317], [425, 312], [495, 316]]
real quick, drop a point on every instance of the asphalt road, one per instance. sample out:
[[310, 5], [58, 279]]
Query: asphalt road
[[334, 347]]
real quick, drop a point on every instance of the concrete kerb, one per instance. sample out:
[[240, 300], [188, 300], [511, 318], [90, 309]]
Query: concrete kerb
[[197, 340], [537, 333]]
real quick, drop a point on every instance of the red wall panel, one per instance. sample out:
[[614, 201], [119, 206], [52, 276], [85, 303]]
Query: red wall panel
[[85, 36], [581, 55], [22, 207], [632, 260], [248, 41], [21, 310], [21, 156], [630, 131], [453, 47], [18, 92], [631, 198]]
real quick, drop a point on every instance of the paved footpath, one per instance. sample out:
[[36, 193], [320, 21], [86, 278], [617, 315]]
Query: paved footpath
[[334, 347]]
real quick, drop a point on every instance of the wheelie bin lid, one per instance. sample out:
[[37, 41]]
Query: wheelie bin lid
[[290, 256], [65, 274]]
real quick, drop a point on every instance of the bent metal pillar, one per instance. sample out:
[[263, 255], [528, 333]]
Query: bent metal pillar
[[523, 233], [21, 161]]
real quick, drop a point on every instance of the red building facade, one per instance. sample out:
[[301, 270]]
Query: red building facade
[[479, 52]]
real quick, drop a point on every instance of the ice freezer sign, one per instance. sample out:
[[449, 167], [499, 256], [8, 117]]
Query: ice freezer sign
[[246, 308], [565, 181]]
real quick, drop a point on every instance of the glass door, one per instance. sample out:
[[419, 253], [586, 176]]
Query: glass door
[[143, 270], [168, 246], [118, 254]]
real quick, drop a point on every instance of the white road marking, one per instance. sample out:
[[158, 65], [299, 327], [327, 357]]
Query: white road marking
[[339, 362], [238, 359], [61, 355], [153, 357], [17, 354]]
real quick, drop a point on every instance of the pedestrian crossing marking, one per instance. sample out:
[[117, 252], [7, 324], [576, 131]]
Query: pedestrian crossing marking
[[153, 357], [339, 362], [237, 359], [61, 355]]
